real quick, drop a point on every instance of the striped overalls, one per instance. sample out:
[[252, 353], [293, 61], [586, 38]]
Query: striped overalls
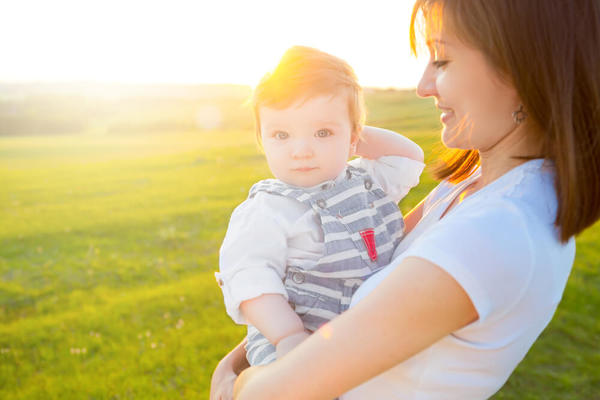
[[362, 226]]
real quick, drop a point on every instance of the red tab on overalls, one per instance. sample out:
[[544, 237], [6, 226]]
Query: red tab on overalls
[[368, 236]]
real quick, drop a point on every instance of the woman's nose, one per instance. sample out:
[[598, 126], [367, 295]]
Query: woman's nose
[[426, 86]]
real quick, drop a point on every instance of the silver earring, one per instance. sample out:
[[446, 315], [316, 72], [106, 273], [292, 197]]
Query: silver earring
[[519, 115]]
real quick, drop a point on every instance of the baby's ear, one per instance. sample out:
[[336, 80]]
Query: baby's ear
[[353, 144]]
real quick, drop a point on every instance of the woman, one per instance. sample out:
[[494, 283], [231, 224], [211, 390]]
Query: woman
[[485, 264]]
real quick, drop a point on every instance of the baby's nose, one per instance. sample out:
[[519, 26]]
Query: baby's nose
[[302, 149]]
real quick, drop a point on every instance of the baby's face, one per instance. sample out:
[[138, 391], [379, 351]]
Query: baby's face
[[307, 143]]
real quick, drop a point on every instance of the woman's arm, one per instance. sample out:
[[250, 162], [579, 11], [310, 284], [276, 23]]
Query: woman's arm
[[377, 142], [415, 306]]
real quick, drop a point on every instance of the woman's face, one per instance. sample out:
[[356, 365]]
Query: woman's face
[[476, 105]]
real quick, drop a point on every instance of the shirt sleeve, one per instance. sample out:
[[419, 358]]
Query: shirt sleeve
[[252, 258], [487, 250], [396, 175]]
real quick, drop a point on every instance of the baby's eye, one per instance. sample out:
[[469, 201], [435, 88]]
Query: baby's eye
[[281, 135], [323, 133]]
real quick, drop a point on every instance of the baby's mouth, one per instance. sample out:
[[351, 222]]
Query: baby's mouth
[[304, 169]]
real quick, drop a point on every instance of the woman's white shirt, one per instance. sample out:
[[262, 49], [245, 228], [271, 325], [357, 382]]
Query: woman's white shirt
[[500, 244]]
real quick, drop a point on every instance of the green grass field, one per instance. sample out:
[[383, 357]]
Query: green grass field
[[109, 238]]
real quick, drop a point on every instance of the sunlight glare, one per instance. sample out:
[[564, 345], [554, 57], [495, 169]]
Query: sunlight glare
[[326, 331], [185, 41]]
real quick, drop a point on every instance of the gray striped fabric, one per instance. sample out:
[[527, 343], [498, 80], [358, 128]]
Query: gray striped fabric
[[346, 208]]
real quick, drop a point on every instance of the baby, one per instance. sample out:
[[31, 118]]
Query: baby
[[298, 248]]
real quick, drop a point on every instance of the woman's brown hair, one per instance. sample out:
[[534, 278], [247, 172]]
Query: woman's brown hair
[[550, 52]]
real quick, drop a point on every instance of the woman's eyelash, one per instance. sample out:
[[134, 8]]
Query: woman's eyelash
[[439, 63]]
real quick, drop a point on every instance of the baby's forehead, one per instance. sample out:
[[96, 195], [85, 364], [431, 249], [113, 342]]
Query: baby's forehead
[[315, 102], [300, 99], [325, 109]]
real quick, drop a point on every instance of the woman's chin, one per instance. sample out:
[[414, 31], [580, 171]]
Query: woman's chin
[[453, 140]]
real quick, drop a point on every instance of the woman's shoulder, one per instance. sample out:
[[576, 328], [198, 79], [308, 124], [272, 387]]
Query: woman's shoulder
[[530, 188], [498, 227], [519, 206], [526, 191]]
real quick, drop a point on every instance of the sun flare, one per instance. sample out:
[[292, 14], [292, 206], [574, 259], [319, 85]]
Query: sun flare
[[199, 42]]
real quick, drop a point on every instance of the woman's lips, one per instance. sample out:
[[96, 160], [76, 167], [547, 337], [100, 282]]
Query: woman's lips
[[446, 116], [447, 113]]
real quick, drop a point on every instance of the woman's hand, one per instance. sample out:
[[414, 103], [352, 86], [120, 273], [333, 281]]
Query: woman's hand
[[226, 372], [221, 384]]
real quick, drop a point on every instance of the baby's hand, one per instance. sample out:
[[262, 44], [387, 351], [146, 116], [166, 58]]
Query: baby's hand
[[289, 342]]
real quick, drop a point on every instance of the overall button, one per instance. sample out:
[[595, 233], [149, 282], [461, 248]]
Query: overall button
[[298, 277], [321, 203], [371, 205], [368, 184]]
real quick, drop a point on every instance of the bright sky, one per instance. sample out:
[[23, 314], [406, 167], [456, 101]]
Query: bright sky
[[201, 41]]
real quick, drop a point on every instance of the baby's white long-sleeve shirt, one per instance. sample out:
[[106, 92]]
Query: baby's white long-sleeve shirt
[[268, 232]]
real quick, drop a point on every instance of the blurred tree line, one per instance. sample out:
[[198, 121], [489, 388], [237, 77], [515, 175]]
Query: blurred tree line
[[52, 109]]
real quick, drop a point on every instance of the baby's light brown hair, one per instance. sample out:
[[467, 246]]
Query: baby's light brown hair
[[304, 73]]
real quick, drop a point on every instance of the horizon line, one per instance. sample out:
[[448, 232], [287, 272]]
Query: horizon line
[[41, 82]]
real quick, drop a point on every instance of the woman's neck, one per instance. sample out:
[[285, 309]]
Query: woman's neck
[[513, 150]]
